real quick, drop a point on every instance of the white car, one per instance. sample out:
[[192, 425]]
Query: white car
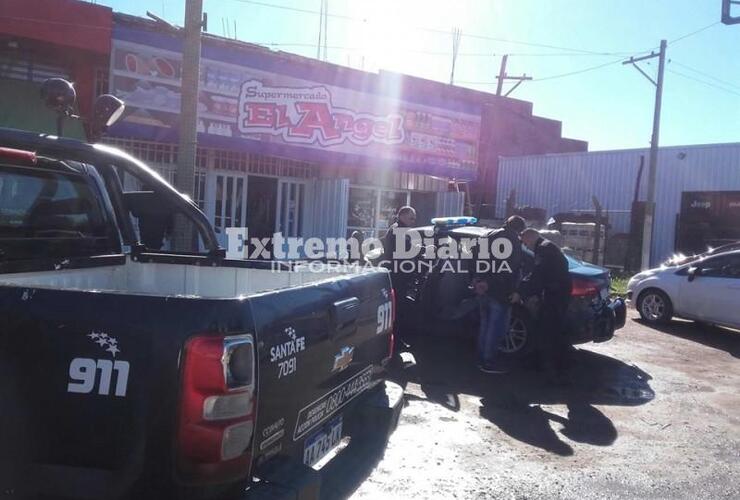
[[706, 290]]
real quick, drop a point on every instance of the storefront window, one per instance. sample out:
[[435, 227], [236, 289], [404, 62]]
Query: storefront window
[[371, 211], [362, 213]]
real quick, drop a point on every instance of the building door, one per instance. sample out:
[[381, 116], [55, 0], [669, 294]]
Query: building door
[[290, 213], [262, 194], [230, 204]]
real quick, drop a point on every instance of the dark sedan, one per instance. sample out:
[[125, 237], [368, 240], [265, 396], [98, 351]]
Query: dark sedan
[[440, 297]]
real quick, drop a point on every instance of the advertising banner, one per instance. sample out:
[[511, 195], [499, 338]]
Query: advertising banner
[[257, 101]]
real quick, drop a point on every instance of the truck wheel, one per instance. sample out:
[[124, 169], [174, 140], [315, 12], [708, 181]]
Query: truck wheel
[[654, 306]]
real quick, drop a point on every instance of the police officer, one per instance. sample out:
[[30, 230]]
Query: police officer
[[495, 292], [401, 277], [550, 281]]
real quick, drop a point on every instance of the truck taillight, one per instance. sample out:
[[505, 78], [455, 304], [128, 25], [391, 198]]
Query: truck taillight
[[217, 406], [584, 288]]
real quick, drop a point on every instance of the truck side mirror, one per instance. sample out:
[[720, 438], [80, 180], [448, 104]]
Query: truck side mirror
[[693, 273]]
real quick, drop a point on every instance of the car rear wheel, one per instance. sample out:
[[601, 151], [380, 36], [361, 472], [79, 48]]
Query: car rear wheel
[[519, 340], [654, 306], [517, 336]]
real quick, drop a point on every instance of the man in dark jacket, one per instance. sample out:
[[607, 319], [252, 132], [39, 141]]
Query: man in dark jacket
[[404, 219], [400, 277], [495, 288], [550, 281]]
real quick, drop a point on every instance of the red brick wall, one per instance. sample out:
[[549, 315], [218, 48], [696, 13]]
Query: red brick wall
[[68, 33], [67, 23], [509, 129]]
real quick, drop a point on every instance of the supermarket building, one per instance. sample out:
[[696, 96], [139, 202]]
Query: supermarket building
[[287, 143]]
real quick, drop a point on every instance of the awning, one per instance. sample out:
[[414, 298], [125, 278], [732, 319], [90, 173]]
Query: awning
[[21, 107]]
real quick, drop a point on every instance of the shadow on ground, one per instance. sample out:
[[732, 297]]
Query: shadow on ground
[[446, 368], [712, 336]]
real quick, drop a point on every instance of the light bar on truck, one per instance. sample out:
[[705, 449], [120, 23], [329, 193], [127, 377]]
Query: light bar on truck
[[454, 221]]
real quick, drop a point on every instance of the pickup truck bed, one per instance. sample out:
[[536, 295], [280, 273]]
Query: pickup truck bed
[[103, 443]]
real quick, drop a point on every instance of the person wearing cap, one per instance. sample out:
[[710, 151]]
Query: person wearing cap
[[495, 292]]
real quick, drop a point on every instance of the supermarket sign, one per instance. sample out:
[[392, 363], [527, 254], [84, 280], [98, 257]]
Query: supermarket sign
[[306, 116], [259, 101]]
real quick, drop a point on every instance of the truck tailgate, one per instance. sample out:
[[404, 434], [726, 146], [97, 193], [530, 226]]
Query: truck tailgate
[[90, 386], [319, 347]]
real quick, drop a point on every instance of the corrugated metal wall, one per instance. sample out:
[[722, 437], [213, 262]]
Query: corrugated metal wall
[[330, 205], [449, 204], [566, 182]]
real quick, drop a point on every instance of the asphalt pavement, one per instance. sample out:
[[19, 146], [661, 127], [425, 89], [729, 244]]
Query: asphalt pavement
[[650, 414]]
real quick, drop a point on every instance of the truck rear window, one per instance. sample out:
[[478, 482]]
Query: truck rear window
[[50, 214]]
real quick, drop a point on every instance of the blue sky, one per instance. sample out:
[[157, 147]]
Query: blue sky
[[610, 107]]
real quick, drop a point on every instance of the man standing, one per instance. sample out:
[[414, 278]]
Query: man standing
[[404, 219], [400, 280], [496, 291], [550, 281]]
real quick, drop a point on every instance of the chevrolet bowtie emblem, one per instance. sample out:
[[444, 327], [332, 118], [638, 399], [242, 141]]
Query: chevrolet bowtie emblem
[[343, 359]]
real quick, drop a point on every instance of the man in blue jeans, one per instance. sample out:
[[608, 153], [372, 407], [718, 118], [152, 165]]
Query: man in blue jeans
[[495, 290]]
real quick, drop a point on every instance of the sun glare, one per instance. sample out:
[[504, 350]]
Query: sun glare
[[389, 39]]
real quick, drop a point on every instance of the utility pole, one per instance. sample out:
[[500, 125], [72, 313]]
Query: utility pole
[[456, 34], [647, 230], [188, 116], [502, 76], [323, 24], [326, 28]]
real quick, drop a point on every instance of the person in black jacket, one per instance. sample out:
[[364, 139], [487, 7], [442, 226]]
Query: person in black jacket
[[400, 278], [550, 281], [495, 288]]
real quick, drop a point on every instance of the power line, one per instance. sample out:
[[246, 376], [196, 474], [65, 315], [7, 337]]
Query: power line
[[430, 30], [442, 53], [709, 84], [559, 75], [706, 75], [687, 35], [578, 72]]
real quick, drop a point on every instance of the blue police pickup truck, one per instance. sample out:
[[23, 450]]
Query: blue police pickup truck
[[128, 371]]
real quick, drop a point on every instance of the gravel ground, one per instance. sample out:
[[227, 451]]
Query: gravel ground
[[650, 414]]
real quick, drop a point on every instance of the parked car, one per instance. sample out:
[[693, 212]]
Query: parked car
[[128, 371], [442, 295], [706, 289]]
